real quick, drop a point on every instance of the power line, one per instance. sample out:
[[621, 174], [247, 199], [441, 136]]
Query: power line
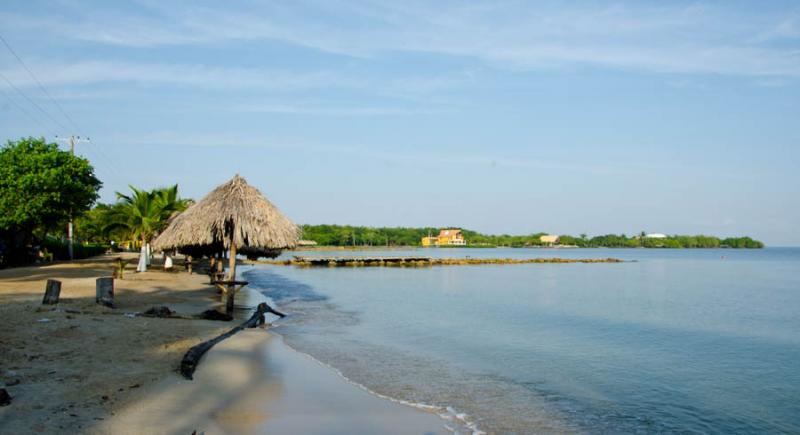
[[25, 111], [34, 103], [99, 152], [33, 76]]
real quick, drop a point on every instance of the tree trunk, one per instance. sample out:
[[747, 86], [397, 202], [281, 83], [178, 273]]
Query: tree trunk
[[142, 267], [231, 293], [192, 357], [52, 292], [104, 291]]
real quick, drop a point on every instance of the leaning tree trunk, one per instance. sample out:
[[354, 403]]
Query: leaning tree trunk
[[192, 357]]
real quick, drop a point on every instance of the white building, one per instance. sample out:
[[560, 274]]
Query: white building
[[655, 236]]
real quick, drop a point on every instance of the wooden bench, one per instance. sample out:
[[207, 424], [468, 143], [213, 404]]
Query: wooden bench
[[216, 276]]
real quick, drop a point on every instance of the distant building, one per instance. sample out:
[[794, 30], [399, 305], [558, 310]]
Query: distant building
[[306, 243], [429, 241], [449, 237], [548, 239], [655, 236]]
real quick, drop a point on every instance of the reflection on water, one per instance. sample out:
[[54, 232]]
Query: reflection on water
[[680, 340]]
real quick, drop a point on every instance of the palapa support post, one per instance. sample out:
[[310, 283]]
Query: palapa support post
[[230, 294], [104, 291], [52, 292]]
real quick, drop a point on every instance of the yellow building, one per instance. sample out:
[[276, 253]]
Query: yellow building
[[449, 237], [549, 240], [429, 241]]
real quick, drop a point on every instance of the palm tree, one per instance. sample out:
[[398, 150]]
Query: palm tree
[[144, 214]]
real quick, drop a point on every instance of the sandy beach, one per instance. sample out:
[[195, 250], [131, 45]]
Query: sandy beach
[[82, 368]]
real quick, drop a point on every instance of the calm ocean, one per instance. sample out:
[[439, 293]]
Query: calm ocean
[[687, 341]]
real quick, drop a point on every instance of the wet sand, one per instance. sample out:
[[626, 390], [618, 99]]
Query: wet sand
[[254, 383], [83, 368]]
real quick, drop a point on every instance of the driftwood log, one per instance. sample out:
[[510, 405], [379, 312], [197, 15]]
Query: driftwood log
[[192, 357], [215, 315], [5, 398], [104, 291], [52, 292]]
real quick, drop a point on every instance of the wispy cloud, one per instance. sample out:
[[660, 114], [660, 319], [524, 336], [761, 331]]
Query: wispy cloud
[[786, 29], [323, 109], [696, 39], [96, 72], [252, 79]]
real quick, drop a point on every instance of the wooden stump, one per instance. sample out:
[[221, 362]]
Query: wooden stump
[[52, 292], [104, 291]]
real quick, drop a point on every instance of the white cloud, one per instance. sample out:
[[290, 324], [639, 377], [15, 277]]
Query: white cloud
[[516, 35], [94, 72], [323, 109]]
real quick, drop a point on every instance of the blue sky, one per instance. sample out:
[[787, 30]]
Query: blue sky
[[503, 117]]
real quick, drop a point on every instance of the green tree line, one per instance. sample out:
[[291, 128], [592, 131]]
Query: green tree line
[[347, 235]]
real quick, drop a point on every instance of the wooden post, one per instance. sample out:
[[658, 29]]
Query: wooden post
[[104, 291], [52, 292], [231, 293]]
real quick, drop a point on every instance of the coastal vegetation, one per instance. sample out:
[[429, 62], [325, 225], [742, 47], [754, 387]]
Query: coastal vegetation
[[141, 214], [41, 186], [424, 261], [345, 235]]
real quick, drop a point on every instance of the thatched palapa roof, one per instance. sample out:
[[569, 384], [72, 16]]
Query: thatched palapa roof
[[234, 211]]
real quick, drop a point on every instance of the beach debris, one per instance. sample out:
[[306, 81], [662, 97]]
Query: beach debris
[[131, 315], [104, 289], [44, 320], [192, 357], [161, 311], [5, 398], [215, 315], [52, 292]]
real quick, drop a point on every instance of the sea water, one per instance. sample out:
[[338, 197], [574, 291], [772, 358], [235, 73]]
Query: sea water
[[670, 341]]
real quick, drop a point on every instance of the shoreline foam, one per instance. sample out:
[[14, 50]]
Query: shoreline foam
[[446, 413]]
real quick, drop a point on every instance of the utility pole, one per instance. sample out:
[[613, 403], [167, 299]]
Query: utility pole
[[71, 140]]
